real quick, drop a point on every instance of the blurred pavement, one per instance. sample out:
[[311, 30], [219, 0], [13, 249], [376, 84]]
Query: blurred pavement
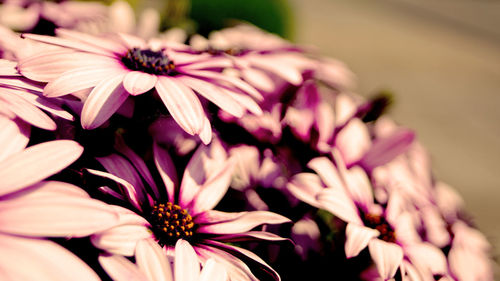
[[442, 61]]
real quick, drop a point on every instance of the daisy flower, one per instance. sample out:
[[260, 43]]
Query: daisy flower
[[153, 265], [114, 69], [183, 211]]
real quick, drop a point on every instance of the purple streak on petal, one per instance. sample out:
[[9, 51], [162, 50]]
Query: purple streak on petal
[[136, 82], [385, 149], [387, 257], [103, 102], [36, 163], [182, 104], [166, 168], [139, 165], [151, 259], [38, 259], [130, 191]]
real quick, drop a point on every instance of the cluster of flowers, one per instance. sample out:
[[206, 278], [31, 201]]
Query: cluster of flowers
[[130, 154]]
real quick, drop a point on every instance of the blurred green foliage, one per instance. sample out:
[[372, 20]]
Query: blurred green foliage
[[271, 15]]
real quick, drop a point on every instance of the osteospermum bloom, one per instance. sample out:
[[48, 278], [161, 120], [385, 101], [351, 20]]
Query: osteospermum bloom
[[348, 195], [183, 211], [32, 209], [257, 56], [113, 69], [21, 98], [153, 265]]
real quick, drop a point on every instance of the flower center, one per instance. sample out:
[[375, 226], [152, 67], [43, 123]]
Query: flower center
[[148, 61], [380, 223], [170, 222]]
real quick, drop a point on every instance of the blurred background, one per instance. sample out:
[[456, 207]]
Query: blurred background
[[441, 60]]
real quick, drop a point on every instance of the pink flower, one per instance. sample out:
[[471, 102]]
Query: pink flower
[[182, 211], [32, 209], [22, 99], [114, 69], [258, 57], [348, 195], [153, 265]]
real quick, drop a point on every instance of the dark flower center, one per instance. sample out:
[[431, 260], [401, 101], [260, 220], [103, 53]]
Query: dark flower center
[[170, 223], [153, 62], [380, 223]]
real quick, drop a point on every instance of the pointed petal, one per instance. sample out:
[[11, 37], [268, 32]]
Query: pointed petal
[[27, 111], [121, 269], [387, 148], [234, 81], [243, 223], [130, 191], [357, 238], [327, 171], [353, 141], [44, 213], [336, 201], [79, 79], [182, 104], [250, 236], [36, 163], [186, 264], [213, 189], [359, 186], [136, 82], [39, 259], [279, 67], [151, 259], [206, 131], [258, 79], [387, 257], [103, 102], [214, 94], [306, 187]]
